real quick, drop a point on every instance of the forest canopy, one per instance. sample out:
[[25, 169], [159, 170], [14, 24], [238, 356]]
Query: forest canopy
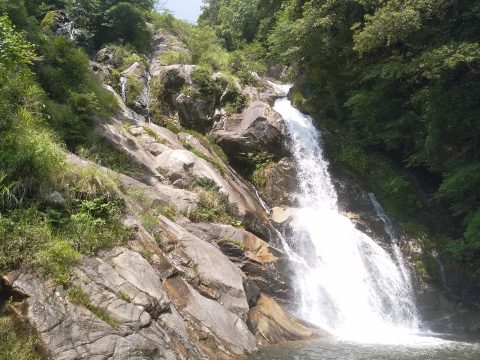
[[398, 83]]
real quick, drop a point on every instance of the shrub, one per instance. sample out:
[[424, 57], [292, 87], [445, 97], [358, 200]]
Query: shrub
[[57, 260], [24, 233], [175, 57], [214, 206], [96, 224], [233, 99]]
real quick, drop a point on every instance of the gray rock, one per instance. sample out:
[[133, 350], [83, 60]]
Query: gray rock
[[272, 324], [225, 329], [258, 128], [264, 264], [55, 199], [195, 112], [73, 332], [213, 269], [280, 184]]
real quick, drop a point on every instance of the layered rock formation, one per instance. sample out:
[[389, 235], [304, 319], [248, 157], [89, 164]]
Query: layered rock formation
[[186, 286]]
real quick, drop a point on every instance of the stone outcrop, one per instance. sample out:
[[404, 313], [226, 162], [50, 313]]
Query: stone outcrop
[[195, 112], [280, 184], [263, 264], [272, 325], [259, 128]]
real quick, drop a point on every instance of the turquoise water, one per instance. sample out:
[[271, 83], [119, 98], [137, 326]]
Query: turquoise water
[[424, 348]]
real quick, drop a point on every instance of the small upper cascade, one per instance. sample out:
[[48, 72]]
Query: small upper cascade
[[347, 283], [123, 88], [149, 90], [441, 271]]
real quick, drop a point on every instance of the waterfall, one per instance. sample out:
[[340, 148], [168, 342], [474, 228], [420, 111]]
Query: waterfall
[[391, 233], [68, 29], [123, 88], [149, 90], [441, 271], [346, 282]]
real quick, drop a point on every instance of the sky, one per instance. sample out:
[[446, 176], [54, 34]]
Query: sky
[[185, 9]]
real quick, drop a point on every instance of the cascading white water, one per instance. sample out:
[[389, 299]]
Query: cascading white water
[[347, 283], [123, 88], [391, 233]]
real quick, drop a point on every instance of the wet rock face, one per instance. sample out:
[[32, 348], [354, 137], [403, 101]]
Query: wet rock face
[[272, 325]]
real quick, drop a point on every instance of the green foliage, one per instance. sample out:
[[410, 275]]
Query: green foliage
[[205, 85], [15, 344], [121, 21], [397, 85], [96, 224], [233, 99], [14, 48], [57, 260], [169, 211], [122, 295], [201, 41], [125, 22], [24, 233], [175, 57], [214, 205]]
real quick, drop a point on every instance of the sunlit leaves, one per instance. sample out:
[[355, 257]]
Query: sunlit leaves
[[14, 48]]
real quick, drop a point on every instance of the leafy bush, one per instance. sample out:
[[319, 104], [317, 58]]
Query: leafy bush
[[214, 205], [233, 99], [24, 233], [175, 57], [123, 56]]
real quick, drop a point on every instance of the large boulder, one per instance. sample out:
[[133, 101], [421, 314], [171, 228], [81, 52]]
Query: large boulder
[[279, 183], [259, 128], [208, 270], [195, 112], [221, 334], [266, 266]]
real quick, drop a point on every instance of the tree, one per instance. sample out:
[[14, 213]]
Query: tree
[[15, 50]]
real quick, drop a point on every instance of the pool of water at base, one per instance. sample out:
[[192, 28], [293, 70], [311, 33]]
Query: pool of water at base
[[421, 348]]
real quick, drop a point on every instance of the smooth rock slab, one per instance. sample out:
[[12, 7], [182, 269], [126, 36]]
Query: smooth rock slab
[[219, 324]]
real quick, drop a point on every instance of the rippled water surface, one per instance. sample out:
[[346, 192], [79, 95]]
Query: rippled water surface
[[421, 348]]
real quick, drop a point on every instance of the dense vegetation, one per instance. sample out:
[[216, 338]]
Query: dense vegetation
[[397, 84]]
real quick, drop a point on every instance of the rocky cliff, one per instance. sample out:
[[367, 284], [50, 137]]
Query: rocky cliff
[[200, 277]]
